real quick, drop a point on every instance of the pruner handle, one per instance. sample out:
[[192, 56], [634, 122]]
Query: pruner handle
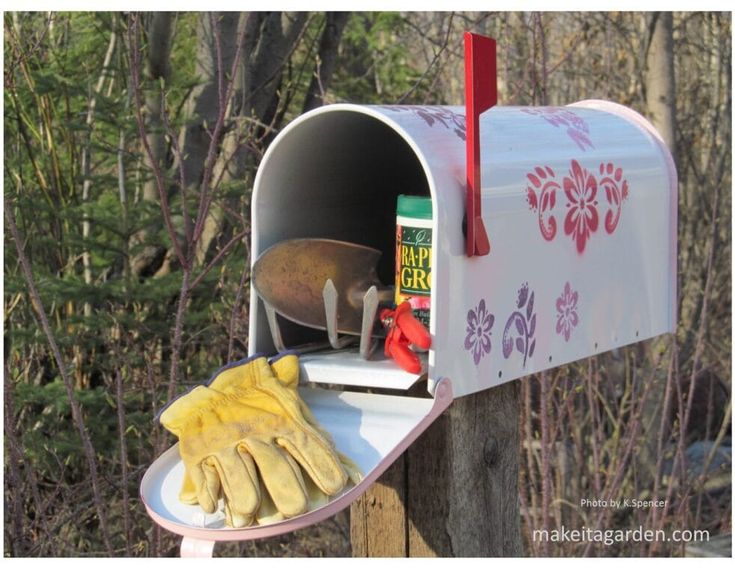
[[404, 330]]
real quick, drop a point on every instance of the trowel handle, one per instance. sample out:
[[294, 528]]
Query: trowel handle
[[356, 295]]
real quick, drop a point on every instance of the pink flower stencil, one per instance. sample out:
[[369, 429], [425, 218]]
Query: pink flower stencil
[[566, 308], [582, 218], [581, 190], [616, 191], [543, 180]]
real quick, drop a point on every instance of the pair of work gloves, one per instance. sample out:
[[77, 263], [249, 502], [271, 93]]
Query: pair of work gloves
[[247, 437]]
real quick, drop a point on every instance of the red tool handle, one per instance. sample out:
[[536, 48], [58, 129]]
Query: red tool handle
[[404, 330], [404, 357], [481, 93], [412, 328]]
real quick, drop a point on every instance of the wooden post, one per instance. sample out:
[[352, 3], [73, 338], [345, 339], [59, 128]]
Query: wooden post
[[454, 493]]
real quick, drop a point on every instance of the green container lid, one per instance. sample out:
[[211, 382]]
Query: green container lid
[[414, 206]]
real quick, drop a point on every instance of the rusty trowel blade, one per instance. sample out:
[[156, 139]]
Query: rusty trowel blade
[[291, 275]]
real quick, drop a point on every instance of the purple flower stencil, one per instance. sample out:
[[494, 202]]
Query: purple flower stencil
[[577, 128], [479, 324], [566, 307], [434, 115], [521, 326]]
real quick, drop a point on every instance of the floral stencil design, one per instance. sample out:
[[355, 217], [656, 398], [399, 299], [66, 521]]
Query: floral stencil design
[[581, 188], [520, 327], [577, 128], [616, 191], [479, 325], [566, 308], [582, 218], [544, 181], [435, 115]]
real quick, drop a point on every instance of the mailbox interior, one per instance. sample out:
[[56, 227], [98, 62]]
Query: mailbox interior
[[334, 175]]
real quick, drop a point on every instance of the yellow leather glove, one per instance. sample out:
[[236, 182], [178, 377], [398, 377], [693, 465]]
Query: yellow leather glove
[[258, 421], [286, 369]]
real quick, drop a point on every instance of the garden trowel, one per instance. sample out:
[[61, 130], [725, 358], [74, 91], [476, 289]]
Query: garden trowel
[[323, 284]]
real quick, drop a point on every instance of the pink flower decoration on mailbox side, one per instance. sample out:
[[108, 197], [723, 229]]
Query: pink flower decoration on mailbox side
[[566, 307], [479, 325], [581, 188], [582, 219], [543, 180], [616, 191], [521, 326]]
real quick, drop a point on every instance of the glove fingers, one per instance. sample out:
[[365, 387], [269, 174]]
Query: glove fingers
[[281, 477], [317, 497], [286, 370], [268, 513], [239, 484], [236, 520], [318, 460], [352, 469], [207, 485], [188, 492]]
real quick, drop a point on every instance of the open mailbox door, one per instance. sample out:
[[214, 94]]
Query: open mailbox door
[[372, 429], [579, 204]]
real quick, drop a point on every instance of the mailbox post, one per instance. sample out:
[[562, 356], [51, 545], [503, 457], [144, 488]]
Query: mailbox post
[[454, 493]]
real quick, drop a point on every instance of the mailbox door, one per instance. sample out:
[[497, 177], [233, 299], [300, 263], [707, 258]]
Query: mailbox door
[[372, 429]]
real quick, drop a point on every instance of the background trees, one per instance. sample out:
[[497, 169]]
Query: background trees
[[131, 143]]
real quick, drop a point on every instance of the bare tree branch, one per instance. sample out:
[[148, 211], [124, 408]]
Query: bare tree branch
[[76, 411], [326, 59]]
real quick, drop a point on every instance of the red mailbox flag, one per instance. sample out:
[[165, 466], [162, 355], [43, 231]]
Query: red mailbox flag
[[481, 93]]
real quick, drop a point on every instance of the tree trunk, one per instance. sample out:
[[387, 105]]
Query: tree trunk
[[454, 493], [202, 107], [660, 85], [158, 69], [326, 59], [661, 103], [268, 43], [86, 164]]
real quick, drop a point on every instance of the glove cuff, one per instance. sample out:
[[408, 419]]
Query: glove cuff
[[240, 374], [286, 368]]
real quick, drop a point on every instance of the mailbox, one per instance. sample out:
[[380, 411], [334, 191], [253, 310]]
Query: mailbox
[[579, 205]]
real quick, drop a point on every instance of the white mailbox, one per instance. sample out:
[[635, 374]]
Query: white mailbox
[[579, 204]]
